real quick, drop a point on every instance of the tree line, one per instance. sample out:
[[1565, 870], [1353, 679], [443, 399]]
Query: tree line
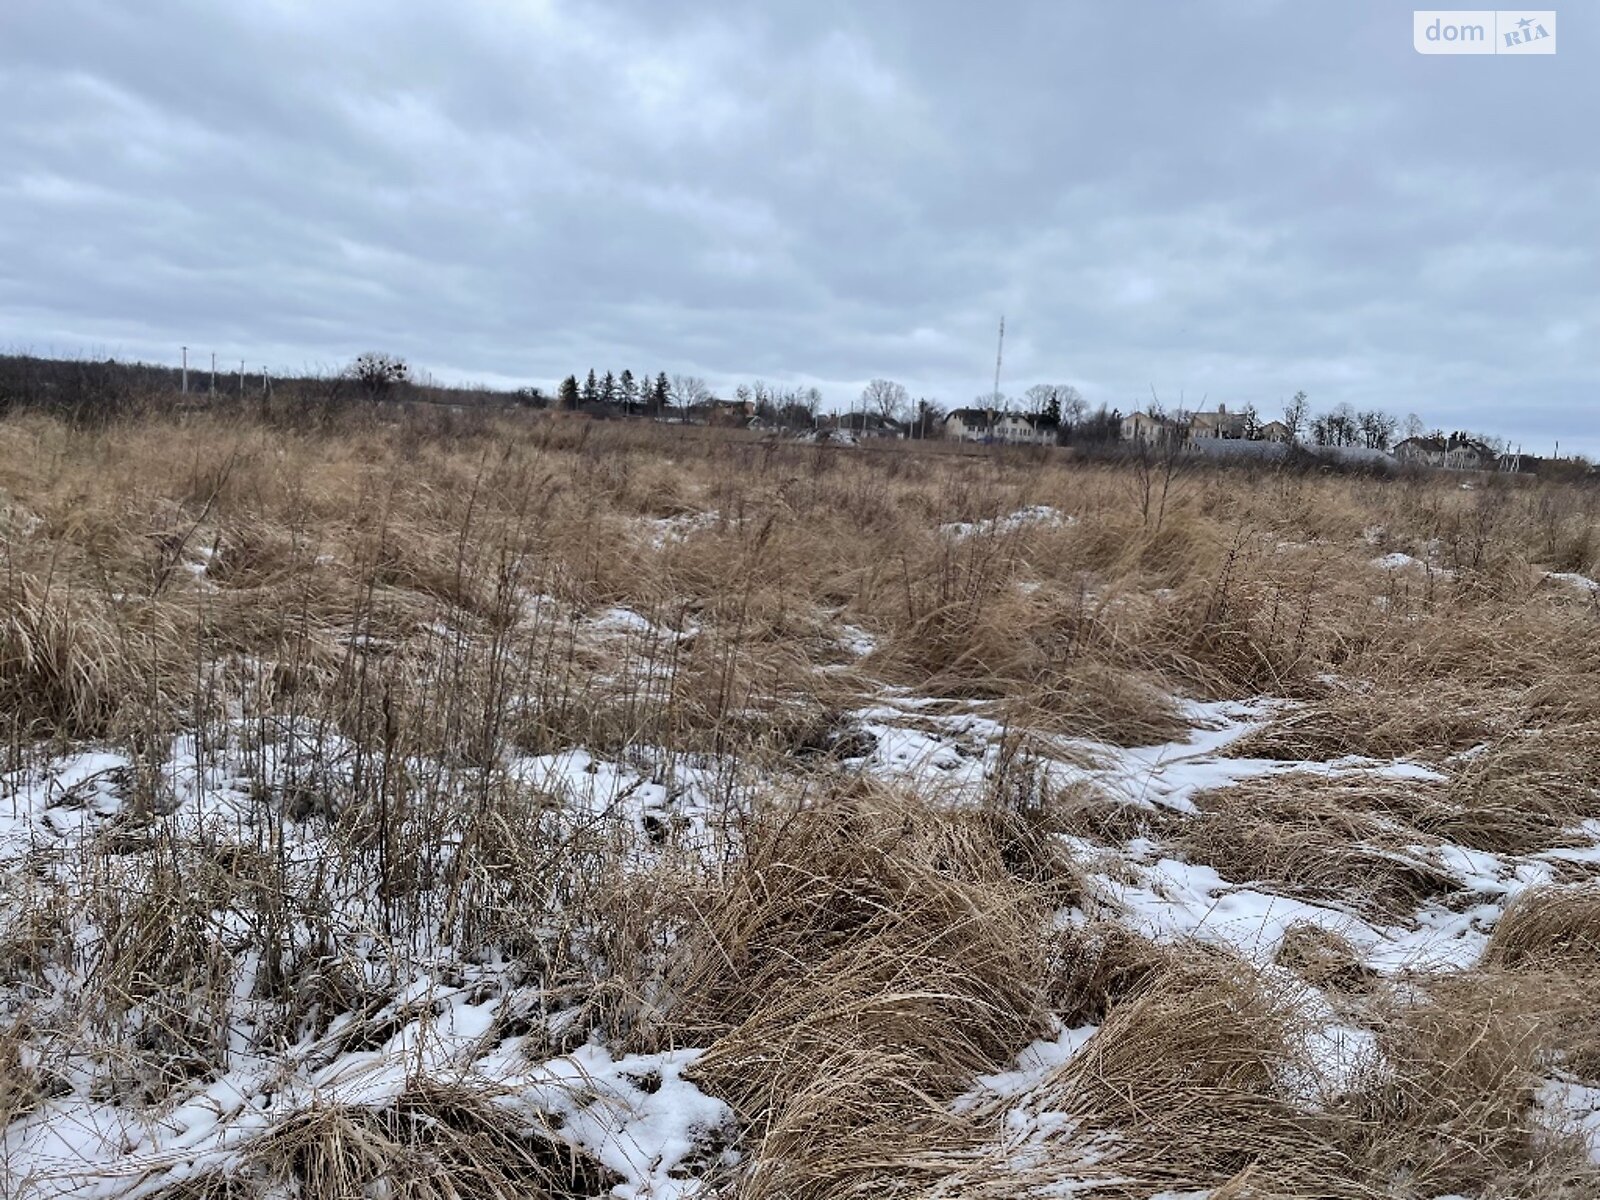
[[88, 389]]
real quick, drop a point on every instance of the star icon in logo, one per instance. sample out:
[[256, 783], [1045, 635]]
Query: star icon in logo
[[1524, 23]]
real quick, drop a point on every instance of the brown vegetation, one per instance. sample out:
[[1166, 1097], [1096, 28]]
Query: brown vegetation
[[391, 621]]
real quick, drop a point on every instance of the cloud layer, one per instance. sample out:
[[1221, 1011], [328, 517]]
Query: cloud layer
[[1231, 200]]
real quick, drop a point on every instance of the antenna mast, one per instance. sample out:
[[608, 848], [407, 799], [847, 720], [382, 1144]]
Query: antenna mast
[[999, 351]]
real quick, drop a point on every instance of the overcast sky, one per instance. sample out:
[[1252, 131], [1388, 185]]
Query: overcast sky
[[1225, 200]]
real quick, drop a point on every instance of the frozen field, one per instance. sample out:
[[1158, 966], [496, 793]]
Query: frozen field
[[532, 811]]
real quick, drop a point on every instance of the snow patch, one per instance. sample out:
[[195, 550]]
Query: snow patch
[[1581, 582], [1572, 1110], [1399, 561], [857, 640], [664, 531], [1038, 514], [636, 1114]]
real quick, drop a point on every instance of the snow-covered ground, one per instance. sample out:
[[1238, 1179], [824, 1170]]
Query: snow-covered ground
[[448, 1024], [956, 755]]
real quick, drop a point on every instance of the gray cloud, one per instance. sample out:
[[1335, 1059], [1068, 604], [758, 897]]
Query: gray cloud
[[1234, 199]]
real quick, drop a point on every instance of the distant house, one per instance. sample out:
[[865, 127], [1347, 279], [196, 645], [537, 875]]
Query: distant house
[[1420, 451], [1274, 431], [1469, 454], [1219, 424], [720, 412], [1027, 429], [1457, 452], [869, 425], [968, 424], [992, 425], [1143, 427]]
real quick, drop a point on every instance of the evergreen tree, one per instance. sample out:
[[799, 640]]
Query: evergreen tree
[[608, 389], [658, 399], [629, 390], [569, 393], [591, 389]]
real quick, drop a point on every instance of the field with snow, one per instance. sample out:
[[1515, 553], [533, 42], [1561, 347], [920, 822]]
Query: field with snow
[[443, 809]]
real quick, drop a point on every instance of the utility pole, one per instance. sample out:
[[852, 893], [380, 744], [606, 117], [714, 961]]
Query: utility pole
[[213, 372], [241, 379], [185, 371]]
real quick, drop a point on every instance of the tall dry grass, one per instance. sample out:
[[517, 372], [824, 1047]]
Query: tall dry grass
[[377, 625]]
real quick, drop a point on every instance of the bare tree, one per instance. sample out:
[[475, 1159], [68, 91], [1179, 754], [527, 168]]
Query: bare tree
[[1061, 402], [886, 398], [797, 407], [1295, 414], [689, 389], [1073, 406], [1346, 424], [1341, 427], [377, 373], [1039, 396], [1377, 428]]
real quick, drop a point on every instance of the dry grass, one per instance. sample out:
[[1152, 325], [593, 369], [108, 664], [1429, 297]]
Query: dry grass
[[1095, 966], [865, 958], [1323, 958], [1453, 1109], [1200, 1077], [1550, 928], [1324, 840], [433, 1142], [380, 624]]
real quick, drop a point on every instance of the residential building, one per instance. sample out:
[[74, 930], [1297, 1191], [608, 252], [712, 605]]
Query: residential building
[[1274, 431], [1142, 427], [1009, 428], [968, 424], [1457, 452], [869, 425], [1219, 424], [1029, 429]]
